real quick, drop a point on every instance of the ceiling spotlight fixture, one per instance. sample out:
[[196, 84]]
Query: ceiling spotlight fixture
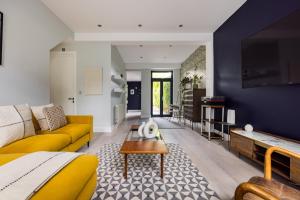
[[140, 25], [99, 25], [180, 25], [141, 45], [170, 45], [141, 57]]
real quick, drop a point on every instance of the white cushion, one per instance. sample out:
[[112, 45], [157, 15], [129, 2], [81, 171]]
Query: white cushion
[[15, 123], [40, 116]]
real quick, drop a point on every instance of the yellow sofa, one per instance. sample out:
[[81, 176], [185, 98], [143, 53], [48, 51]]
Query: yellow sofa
[[77, 181], [77, 133]]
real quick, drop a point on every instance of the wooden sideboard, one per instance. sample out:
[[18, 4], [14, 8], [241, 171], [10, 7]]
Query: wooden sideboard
[[254, 145]]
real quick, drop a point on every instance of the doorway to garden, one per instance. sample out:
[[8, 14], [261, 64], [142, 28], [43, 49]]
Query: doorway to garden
[[161, 93]]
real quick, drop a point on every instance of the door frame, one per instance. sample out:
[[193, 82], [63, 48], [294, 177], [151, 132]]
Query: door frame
[[161, 80], [74, 54]]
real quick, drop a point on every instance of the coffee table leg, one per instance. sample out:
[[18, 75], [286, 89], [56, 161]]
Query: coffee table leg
[[162, 165], [125, 167]]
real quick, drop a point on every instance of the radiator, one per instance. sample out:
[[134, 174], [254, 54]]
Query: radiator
[[119, 113]]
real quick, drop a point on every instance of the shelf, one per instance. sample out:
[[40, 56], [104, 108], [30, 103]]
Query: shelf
[[118, 79], [118, 90], [187, 90], [284, 173], [213, 135], [188, 105], [213, 106], [212, 121], [188, 95]]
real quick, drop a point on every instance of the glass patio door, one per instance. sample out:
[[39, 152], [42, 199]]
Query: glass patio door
[[161, 84]]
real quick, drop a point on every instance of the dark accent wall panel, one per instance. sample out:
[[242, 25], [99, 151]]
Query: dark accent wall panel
[[271, 109]]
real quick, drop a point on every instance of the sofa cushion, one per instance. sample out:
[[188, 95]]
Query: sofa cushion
[[55, 117], [40, 116], [15, 123], [47, 142], [74, 131], [68, 183]]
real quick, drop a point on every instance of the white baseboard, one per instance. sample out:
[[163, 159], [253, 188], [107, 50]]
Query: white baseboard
[[101, 129]]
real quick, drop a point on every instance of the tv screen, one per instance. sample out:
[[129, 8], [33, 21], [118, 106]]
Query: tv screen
[[1, 36], [272, 56]]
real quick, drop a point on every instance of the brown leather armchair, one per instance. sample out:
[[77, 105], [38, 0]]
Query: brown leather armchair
[[258, 188]]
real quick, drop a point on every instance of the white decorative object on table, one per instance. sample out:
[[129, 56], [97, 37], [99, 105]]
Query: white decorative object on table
[[249, 128], [141, 129], [150, 129]]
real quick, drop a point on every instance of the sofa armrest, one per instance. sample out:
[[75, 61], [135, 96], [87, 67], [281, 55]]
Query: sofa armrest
[[244, 188], [82, 119]]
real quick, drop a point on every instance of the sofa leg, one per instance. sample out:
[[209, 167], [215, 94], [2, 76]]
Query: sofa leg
[[88, 144]]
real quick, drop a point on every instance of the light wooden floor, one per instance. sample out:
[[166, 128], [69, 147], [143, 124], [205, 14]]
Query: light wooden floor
[[223, 169]]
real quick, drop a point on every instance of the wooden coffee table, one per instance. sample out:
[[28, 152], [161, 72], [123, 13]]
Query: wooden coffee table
[[136, 145]]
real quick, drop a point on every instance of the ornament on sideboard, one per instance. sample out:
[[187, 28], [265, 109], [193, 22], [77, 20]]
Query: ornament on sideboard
[[249, 128]]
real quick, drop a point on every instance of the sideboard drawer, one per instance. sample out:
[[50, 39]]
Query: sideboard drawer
[[241, 144]]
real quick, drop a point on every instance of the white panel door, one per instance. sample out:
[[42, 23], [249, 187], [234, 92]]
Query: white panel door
[[63, 80]]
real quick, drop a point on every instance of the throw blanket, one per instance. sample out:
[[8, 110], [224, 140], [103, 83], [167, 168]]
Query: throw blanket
[[22, 178]]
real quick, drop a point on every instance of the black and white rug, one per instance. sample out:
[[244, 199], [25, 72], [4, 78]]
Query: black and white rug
[[182, 180]]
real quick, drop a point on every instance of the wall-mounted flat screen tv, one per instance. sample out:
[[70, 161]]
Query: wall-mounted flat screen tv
[[272, 56], [1, 36]]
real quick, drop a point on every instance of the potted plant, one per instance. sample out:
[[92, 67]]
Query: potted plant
[[197, 80]]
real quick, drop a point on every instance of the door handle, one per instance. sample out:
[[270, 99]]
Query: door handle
[[72, 99]]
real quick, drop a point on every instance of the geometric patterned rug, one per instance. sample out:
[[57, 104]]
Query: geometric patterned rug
[[182, 180]]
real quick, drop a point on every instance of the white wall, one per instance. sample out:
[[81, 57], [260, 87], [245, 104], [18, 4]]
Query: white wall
[[93, 54], [117, 68], [30, 31], [146, 90], [210, 68]]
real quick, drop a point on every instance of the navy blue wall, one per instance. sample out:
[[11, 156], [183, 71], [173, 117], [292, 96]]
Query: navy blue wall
[[271, 109]]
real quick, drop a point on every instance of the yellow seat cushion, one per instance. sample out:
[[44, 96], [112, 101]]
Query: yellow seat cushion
[[69, 182], [47, 142], [75, 131]]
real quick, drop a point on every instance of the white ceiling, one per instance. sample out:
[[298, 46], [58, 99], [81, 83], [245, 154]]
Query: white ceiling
[[156, 53], [156, 16], [160, 20]]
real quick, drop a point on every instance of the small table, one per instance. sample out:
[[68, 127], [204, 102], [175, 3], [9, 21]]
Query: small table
[[133, 144]]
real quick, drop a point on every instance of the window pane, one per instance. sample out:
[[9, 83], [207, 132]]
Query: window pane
[[156, 98], [166, 97], [162, 75]]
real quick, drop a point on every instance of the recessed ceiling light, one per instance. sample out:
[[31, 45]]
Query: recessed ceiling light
[[141, 45], [180, 25], [170, 45], [141, 57], [140, 25], [99, 25]]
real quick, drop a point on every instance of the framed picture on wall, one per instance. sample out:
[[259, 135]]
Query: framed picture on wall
[[1, 36]]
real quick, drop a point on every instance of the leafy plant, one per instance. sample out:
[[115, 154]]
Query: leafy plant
[[185, 80]]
